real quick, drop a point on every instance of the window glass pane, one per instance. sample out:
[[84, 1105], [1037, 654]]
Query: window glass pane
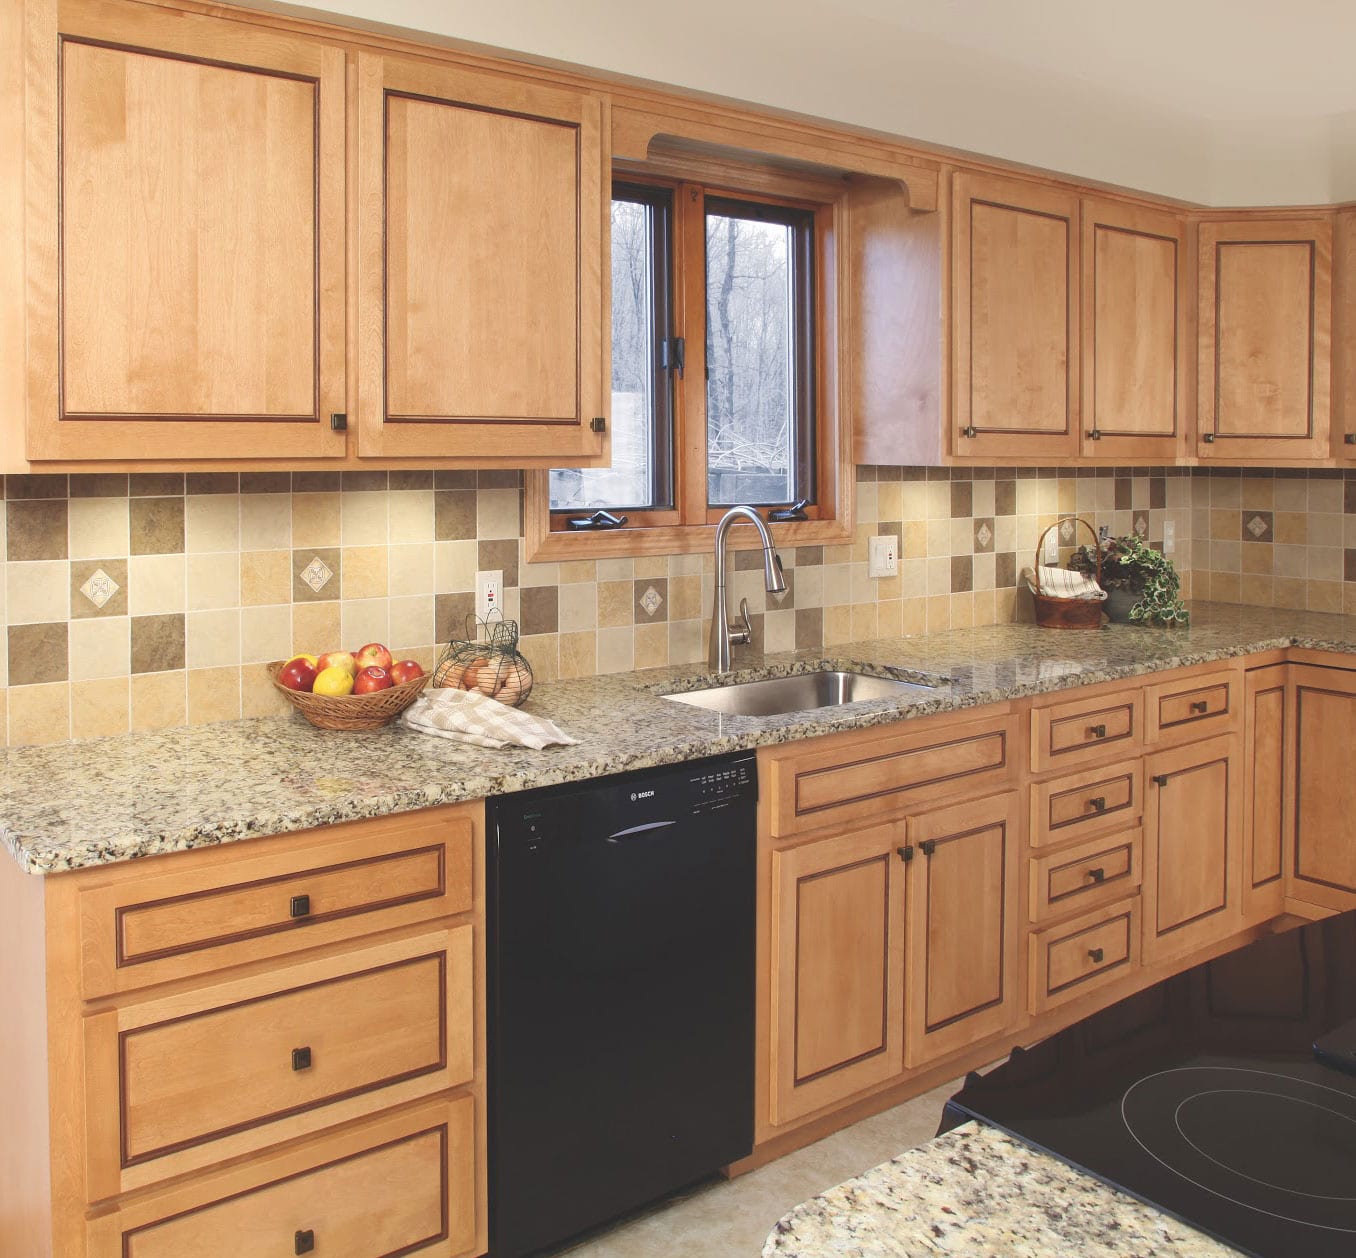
[[751, 360], [631, 480]]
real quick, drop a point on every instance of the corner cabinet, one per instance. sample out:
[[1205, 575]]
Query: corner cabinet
[[1014, 319], [1323, 835], [1265, 340], [185, 238], [481, 235]]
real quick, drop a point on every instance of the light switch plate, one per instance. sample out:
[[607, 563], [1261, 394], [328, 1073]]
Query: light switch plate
[[882, 555]]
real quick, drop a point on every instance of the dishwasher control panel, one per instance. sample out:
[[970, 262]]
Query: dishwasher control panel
[[721, 783]]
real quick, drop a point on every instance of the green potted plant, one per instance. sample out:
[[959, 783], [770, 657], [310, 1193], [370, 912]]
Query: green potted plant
[[1141, 583]]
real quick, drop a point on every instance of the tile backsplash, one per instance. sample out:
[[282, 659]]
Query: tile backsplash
[[156, 599]]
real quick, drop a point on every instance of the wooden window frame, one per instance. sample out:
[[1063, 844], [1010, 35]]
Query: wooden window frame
[[690, 527]]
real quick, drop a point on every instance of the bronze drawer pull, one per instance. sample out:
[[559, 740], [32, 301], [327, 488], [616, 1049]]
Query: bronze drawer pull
[[301, 1058], [929, 846], [1097, 731], [303, 1242], [1097, 803], [1200, 705], [1098, 874], [300, 906], [905, 853], [1096, 955]]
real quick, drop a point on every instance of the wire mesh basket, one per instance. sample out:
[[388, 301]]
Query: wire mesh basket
[[487, 659]]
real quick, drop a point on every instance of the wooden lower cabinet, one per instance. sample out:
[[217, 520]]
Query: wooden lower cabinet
[[963, 980], [1192, 846], [1324, 822], [1268, 744], [837, 968]]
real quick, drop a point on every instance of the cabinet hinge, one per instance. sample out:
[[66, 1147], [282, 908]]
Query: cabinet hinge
[[338, 421], [597, 424]]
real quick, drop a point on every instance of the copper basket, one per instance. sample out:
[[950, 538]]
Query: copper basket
[[1066, 613], [350, 712]]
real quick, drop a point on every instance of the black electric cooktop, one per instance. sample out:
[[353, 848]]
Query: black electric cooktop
[[1225, 1096]]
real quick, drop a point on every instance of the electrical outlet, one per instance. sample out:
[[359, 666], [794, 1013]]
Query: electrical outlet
[[1169, 537], [489, 591], [882, 555], [1051, 556]]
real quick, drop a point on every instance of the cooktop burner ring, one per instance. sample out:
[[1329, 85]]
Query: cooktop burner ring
[[1169, 1092]]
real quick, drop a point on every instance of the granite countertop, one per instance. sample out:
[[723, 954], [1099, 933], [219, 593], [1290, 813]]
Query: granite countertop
[[88, 803], [976, 1191]]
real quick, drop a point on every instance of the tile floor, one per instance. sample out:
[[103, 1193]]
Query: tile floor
[[731, 1219]]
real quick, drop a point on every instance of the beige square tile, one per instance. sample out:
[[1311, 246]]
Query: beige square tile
[[1226, 491], [616, 603], [265, 522], [1290, 494], [865, 622], [100, 709], [364, 572], [265, 633], [159, 700], [157, 584], [363, 519], [257, 694], [890, 615], [616, 569], [213, 695], [100, 648], [537, 575], [315, 627], [652, 645], [779, 631], [616, 650], [212, 639], [315, 520], [578, 653], [837, 625], [687, 642], [412, 569], [213, 581], [578, 607], [39, 714], [364, 620], [265, 577], [1325, 496], [411, 516], [37, 592], [685, 596], [497, 514], [98, 527], [411, 623], [650, 566], [211, 523], [542, 651], [454, 566]]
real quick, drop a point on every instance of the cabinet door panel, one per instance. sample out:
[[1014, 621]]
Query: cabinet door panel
[[1015, 253], [1267, 750], [837, 982], [188, 296], [1323, 816], [1192, 847], [1134, 296], [962, 921], [1265, 339], [481, 298]]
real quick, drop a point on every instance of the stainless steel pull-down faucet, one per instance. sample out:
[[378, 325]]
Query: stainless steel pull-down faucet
[[723, 634]]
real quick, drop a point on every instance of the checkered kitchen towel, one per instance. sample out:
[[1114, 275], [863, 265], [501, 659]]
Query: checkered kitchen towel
[[471, 717]]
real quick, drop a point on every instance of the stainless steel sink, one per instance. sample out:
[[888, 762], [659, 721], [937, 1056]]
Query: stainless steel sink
[[801, 693]]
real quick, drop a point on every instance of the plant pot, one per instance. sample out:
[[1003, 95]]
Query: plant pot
[[1118, 604]]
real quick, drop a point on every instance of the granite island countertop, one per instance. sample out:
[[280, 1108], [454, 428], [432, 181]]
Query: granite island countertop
[[977, 1191], [73, 805]]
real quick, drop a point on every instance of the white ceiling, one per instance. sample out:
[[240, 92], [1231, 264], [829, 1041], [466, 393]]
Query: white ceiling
[[1244, 102]]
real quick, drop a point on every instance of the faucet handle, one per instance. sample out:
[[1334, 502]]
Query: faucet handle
[[742, 630]]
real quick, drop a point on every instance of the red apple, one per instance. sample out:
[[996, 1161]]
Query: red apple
[[338, 659], [370, 679], [298, 674], [374, 655], [406, 670]]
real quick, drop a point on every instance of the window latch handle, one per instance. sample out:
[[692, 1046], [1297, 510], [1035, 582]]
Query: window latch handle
[[673, 354], [796, 511], [599, 520]]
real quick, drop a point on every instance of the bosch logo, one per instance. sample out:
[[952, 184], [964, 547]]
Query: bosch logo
[[635, 795]]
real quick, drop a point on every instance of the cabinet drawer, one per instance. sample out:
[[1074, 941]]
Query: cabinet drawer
[[1080, 878], [1098, 801], [1069, 960], [1085, 731], [226, 906], [246, 1063], [868, 778], [398, 1186], [1183, 711]]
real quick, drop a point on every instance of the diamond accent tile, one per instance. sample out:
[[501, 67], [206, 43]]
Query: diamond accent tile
[[983, 535], [317, 574], [99, 588], [1141, 526], [1066, 530], [651, 600], [1257, 526]]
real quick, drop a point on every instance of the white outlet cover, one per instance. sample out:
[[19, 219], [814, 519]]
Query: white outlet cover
[[1169, 537], [1051, 547], [882, 555], [489, 592]]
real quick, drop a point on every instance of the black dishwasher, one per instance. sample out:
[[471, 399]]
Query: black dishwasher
[[621, 994]]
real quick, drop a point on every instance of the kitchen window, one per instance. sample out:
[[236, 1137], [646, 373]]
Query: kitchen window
[[722, 324]]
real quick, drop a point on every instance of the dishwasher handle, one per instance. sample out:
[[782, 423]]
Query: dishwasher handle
[[635, 832]]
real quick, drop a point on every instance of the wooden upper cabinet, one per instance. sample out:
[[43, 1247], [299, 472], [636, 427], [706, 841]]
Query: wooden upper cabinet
[[1014, 331], [1265, 340], [481, 233], [1134, 397], [185, 239], [1344, 334]]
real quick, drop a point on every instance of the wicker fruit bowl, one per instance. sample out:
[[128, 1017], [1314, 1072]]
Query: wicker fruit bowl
[[369, 711]]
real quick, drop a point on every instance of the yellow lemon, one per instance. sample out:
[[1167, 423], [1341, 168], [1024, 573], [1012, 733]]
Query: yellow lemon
[[333, 682]]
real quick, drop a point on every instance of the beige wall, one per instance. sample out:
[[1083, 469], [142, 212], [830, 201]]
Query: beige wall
[[157, 600]]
